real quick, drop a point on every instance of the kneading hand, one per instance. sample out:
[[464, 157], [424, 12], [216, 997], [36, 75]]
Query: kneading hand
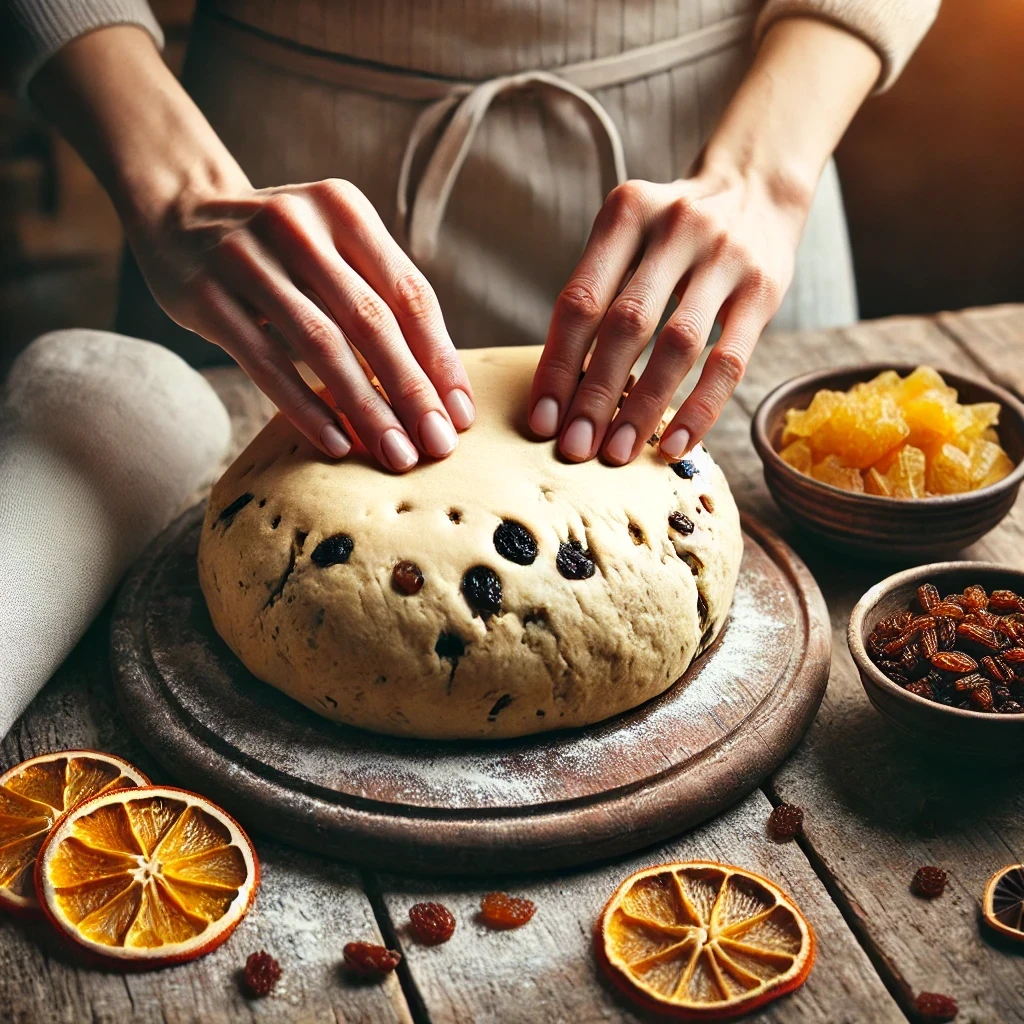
[[723, 242]]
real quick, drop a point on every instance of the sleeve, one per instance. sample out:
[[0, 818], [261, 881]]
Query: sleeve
[[36, 29], [892, 28]]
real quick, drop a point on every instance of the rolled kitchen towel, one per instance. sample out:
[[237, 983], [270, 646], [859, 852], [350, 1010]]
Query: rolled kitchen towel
[[102, 439]]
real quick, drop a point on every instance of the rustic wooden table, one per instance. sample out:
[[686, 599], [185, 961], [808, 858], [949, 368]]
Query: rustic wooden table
[[876, 808]]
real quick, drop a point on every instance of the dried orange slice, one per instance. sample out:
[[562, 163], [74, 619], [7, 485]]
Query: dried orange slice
[[147, 877], [1003, 904], [703, 941], [33, 795]]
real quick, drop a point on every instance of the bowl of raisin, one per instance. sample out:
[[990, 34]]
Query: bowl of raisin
[[940, 651], [899, 462]]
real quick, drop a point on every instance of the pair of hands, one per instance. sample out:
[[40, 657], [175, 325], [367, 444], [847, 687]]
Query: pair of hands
[[315, 264]]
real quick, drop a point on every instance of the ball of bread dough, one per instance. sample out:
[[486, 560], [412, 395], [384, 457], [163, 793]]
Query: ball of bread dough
[[499, 592]]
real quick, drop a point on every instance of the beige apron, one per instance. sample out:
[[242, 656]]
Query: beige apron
[[486, 135]]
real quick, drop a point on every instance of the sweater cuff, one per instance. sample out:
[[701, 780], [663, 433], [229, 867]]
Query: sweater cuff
[[892, 28], [39, 28]]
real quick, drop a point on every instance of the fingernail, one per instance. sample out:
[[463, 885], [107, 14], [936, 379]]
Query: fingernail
[[544, 418], [675, 445], [620, 447], [460, 408], [334, 440], [436, 435], [398, 450], [578, 439]]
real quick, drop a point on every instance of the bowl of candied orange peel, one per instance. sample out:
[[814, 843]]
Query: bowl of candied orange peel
[[898, 461], [940, 652]]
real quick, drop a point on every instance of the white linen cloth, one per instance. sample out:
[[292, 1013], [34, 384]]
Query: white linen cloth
[[102, 440]]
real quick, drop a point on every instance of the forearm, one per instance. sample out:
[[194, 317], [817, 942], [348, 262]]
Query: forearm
[[114, 99], [792, 108]]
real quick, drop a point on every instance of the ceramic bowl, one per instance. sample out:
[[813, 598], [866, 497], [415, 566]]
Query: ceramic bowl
[[993, 736], [910, 530]]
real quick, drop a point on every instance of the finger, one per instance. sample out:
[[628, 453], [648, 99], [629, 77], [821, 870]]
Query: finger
[[614, 243], [367, 245], [228, 324], [627, 327], [678, 347], [262, 284], [310, 257], [723, 370]]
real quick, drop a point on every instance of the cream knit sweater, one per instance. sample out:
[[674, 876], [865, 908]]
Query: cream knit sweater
[[39, 28]]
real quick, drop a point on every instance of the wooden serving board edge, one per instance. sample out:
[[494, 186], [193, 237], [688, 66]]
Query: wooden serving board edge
[[470, 842]]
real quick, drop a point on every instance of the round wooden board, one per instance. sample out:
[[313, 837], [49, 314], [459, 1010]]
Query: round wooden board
[[546, 801]]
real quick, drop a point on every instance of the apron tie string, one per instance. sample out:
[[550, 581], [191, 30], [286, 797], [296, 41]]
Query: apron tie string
[[419, 221]]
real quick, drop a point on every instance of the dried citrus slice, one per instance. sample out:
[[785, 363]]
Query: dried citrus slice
[[1003, 905], [703, 941], [33, 795], [153, 876]]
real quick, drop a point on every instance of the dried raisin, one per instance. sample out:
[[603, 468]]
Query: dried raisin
[[681, 523], [262, 973], [929, 642], [514, 541], [333, 550], [1005, 601], [948, 610], [685, 469], [228, 514], [954, 661], [929, 881], [481, 588], [936, 1008], [573, 562], [366, 960], [406, 578], [928, 595], [974, 597], [499, 910], [785, 822], [921, 689], [979, 635], [431, 923]]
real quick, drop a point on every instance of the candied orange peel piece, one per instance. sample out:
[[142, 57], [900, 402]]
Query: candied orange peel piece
[[897, 438]]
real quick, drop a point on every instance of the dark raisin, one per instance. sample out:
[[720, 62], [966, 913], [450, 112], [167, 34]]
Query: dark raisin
[[928, 596], [681, 523], [921, 689], [406, 578], [450, 646], [929, 882], [936, 1008], [482, 589], [514, 541], [499, 705], [785, 822], [431, 923], [366, 960], [573, 562], [262, 972], [1010, 707], [702, 609], [228, 515], [333, 550], [685, 469]]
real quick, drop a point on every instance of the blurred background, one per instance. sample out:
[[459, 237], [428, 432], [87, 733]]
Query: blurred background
[[933, 173]]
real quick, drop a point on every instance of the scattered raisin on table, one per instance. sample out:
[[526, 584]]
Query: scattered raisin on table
[[499, 910], [366, 960], [962, 650], [482, 589], [515, 542], [332, 550], [681, 523], [785, 822], [929, 881], [573, 562], [935, 1007], [431, 923], [262, 972], [406, 578]]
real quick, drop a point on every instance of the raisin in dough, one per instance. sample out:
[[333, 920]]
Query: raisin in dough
[[499, 592]]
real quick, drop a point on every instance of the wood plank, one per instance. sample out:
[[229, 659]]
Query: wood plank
[[546, 971], [878, 806], [307, 907], [994, 337]]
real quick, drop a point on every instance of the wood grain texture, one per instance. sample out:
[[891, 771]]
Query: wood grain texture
[[546, 971], [878, 806], [565, 798], [305, 911]]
